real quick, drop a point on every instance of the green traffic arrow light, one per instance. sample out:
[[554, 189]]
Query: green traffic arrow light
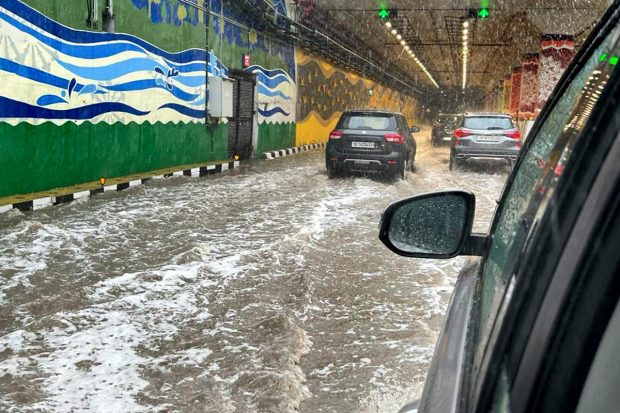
[[483, 13], [383, 13]]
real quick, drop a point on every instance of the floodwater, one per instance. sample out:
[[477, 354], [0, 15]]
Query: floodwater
[[264, 289]]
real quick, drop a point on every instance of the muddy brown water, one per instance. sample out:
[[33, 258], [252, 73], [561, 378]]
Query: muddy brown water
[[259, 290]]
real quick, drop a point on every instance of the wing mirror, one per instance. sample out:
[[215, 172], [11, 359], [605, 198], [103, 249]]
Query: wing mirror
[[433, 225], [415, 129]]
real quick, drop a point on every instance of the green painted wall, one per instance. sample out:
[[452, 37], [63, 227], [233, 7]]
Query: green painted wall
[[47, 156], [275, 136], [37, 158], [128, 19]]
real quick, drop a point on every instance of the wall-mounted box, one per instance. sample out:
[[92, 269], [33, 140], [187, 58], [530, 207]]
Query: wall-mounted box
[[220, 97]]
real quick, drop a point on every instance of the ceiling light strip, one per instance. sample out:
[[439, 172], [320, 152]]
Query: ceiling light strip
[[407, 49], [465, 53]]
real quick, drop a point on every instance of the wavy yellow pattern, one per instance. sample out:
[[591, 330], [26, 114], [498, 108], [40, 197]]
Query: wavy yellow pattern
[[315, 129], [328, 69]]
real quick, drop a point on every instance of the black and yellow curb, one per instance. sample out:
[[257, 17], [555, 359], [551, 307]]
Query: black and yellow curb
[[45, 199], [292, 151]]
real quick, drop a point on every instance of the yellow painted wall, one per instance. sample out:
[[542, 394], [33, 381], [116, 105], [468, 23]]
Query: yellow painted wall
[[325, 91]]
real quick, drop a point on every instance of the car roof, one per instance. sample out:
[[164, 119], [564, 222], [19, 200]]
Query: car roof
[[487, 114], [377, 111]]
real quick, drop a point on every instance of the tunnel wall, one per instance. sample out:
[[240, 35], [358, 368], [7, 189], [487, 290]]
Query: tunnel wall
[[77, 103], [325, 91], [273, 63]]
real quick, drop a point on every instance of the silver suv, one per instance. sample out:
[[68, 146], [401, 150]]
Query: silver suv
[[484, 135]]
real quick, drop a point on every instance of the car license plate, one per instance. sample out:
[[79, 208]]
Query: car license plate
[[447, 138], [370, 145], [488, 139]]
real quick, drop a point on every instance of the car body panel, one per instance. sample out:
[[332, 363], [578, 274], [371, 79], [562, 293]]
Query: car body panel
[[501, 355], [367, 150], [443, 127], [443, 384], [486, 143]]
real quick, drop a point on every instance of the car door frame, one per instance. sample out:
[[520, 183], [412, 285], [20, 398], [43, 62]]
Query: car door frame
[[546, 328], [472, 390], [401, 123], [487, 372]]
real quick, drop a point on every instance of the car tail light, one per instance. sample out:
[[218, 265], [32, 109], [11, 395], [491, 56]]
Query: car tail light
[[394, 137], [514, 134], [336, 134], [461, 133]]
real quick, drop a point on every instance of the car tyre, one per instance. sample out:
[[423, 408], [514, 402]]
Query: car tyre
[[332, 172], [401, 174], [454, 163]]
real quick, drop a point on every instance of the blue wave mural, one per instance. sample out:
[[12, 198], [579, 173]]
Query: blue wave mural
[[272, 112], [88, 44], [263, 90], [276, 89], [151, 84], [83, 75], [198, 114], [16, 109], [109, 72]]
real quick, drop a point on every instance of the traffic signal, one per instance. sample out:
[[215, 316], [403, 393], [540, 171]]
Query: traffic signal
[[482, 12], [387, 14]]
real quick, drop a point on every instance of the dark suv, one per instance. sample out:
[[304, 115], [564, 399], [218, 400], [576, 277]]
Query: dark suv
[[371, 141], [443, 127]]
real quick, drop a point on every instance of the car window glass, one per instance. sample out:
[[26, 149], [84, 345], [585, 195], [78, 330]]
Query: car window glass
[[405, 129], [404, 123], [370, 122], [487, 123], [535, 180], [501, 396], [600, 392]]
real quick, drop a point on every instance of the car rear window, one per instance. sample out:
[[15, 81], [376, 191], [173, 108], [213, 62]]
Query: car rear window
[[372, 121], [487, 122]]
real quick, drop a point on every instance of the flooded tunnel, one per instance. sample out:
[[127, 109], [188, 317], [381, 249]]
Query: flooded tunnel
[[191, 191]]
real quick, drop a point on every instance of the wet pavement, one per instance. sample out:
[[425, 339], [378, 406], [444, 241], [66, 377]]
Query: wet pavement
[[261, 290]]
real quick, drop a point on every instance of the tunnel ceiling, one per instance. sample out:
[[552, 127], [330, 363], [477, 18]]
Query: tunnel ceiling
[[432, 28]]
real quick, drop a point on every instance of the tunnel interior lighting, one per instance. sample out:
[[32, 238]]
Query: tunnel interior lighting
[[465, 52], [407, 48]]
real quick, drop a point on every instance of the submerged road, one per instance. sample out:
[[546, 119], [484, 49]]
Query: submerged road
[[261, 290]]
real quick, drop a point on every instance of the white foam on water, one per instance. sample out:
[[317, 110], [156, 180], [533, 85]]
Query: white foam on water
[[95, 368], [152, 309]]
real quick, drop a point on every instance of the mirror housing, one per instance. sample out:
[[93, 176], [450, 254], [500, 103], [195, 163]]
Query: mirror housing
[[415, 129], [432, 225]]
